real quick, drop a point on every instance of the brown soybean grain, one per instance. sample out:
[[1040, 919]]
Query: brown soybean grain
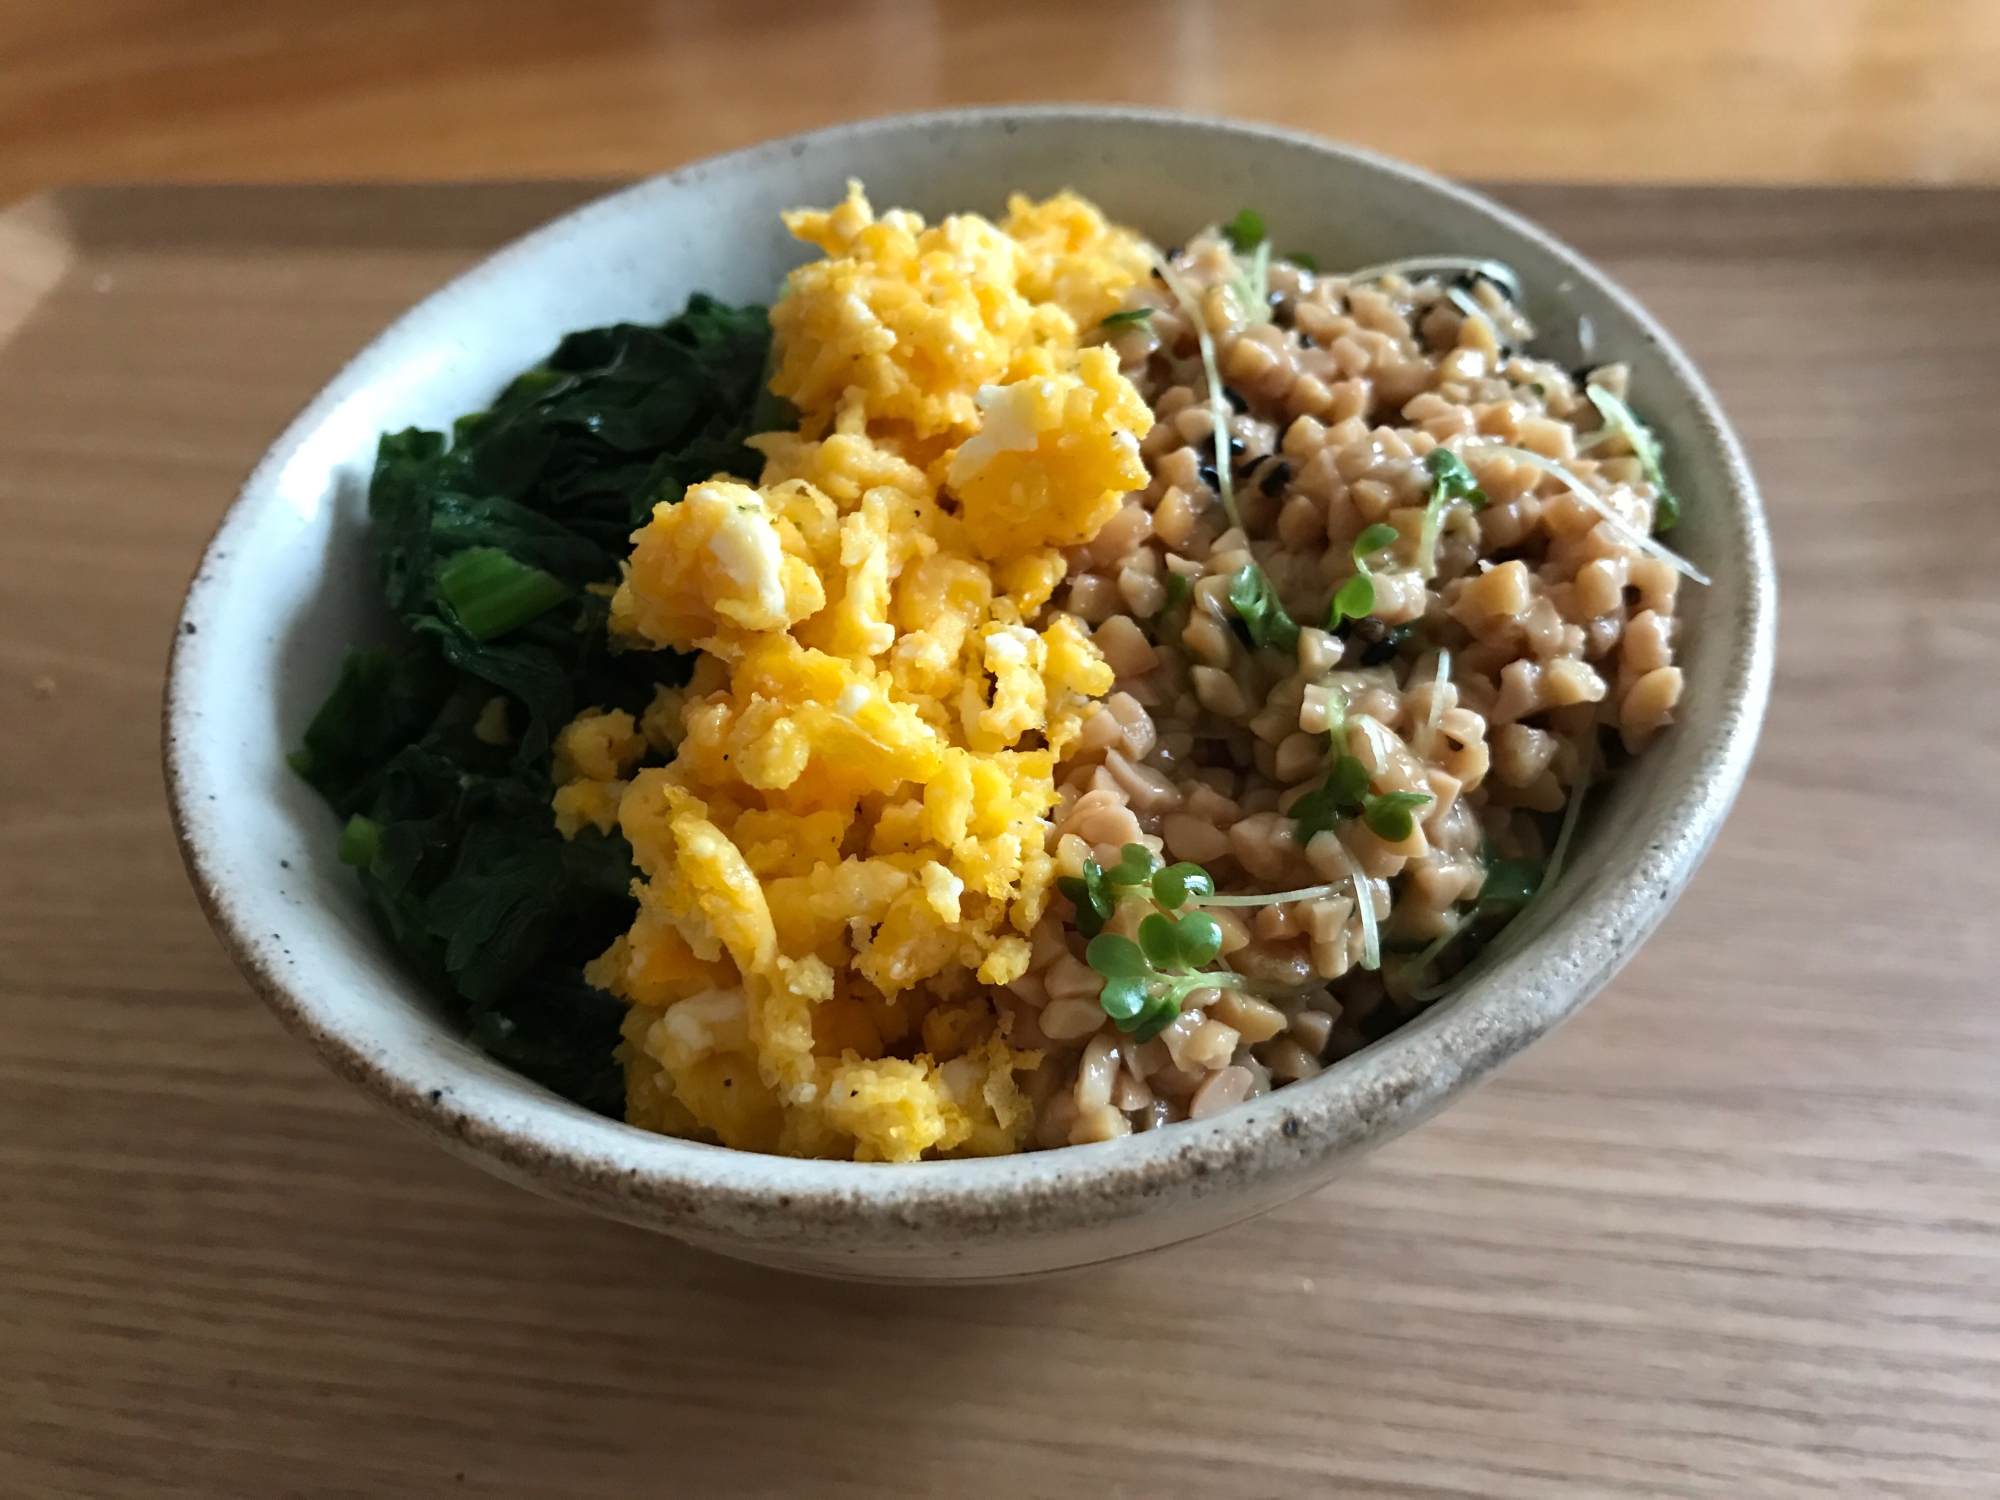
[[1494, 670]]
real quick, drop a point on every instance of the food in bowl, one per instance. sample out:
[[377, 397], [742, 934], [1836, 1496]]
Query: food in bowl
[[1100, 687]]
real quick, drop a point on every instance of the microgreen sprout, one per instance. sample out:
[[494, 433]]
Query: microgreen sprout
[[1586, 769], [1246, 230], [1434, 716], [1339, 796], [1627, 532], [1179, 590], [1218, 403], [1146, 981], [1253, 284], [1467, 304], [1219, 414], [1371, 934], [1618, 418], [1511, 882], [1390, 816], [1450, 481], [1097, 891], [1263, 614], [1356, 598], [1303, 261], [1125, 317]]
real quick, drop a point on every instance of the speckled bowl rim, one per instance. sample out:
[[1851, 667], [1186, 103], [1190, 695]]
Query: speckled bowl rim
[[1295, 1133]]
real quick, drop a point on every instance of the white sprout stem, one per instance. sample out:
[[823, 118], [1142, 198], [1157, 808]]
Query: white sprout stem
[[1427, 993], [1272, 898], [1380, 740], [1572, 812], [1619, 418], [1255, 283], [1371, 935], [1496, 271], [1428, 532], [1469, 305], [1218, 404], [1439, 943], [1627, 532], [1585, 769], [1438, 681]]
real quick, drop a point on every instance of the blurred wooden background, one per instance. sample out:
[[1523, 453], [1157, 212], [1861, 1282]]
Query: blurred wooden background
[[1577, 90]]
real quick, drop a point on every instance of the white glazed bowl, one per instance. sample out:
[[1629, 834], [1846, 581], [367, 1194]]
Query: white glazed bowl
[[282, 592]]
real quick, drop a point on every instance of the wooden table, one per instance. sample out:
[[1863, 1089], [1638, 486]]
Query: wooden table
[[1734, 1233], [1580, 90]]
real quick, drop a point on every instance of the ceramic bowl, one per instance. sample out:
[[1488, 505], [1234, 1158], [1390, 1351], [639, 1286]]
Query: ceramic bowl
[[282, 592]]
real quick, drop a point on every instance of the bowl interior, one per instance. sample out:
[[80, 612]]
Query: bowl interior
[[283, 592]]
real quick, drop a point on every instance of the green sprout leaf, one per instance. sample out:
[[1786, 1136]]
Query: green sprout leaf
[[1160, 941], [1389, 817], [1349, 780], [1263, 615], [1126, 317], [1450, 481], [1116, 957], [1246, 230], [1511, 881], [1136, 864], [1091, 895], [1355, 601], [1372, 540], [1089, 920], [1124, 1000], [1176, 883], [1178, 592], [1451, 478], [1200, 938], [1158, 1015], [1340, 796], [1619, 418], [1356, 598], [1304, 261]]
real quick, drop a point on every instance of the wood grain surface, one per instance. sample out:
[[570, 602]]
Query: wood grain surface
[[1732, 1234], [1687, 90]]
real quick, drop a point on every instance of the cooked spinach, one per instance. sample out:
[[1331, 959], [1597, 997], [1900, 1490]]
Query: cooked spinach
[[492, 547]]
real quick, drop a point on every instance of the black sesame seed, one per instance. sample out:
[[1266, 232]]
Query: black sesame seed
[[1235, 400], [1371, 630], [1276, 477], [1378, 653], [1209, 477]]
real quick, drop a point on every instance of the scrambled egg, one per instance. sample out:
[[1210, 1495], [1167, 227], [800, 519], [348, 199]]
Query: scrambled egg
[[849, 840]]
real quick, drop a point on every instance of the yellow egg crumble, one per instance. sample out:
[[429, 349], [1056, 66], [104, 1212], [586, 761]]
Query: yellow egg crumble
[[849, 841]]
